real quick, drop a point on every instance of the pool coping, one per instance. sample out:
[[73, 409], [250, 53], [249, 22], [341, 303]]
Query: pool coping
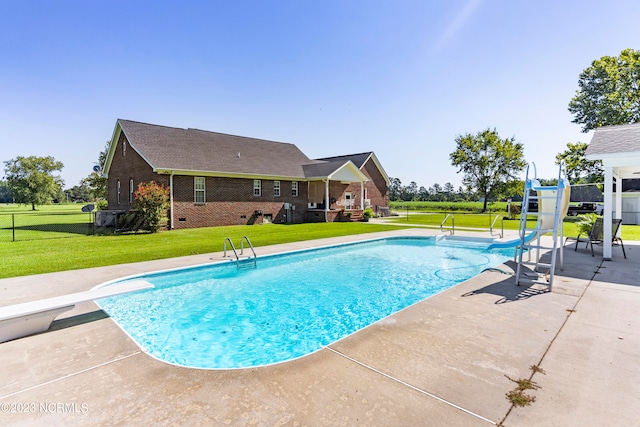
[[458, 346]]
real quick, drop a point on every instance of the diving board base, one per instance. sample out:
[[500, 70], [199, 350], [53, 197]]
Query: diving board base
[[29, 324]]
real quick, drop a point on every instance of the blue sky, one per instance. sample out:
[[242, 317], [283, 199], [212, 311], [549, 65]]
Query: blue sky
[[401, 78]]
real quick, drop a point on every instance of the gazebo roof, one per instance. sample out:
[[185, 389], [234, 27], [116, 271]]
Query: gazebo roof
[[618, 147]]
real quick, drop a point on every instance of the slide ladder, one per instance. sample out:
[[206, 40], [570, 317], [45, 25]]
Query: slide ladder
[[553, 202]]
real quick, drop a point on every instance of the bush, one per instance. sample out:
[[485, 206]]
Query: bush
[[586, 223], [150, 205], [368, 213], [102, 205]]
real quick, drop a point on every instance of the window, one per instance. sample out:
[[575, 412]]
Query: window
[[294, 188], [118, 191], [199, 190], [276, 188], [124, 147], [131, 190], [257, 187]]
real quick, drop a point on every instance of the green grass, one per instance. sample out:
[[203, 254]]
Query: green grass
[[19, 222], [44, 256], [426, 206], [471, 222]]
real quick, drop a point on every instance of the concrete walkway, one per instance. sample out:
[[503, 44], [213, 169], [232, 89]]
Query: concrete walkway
[[446, 361]]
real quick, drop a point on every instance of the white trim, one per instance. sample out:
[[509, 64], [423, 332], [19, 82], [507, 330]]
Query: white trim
[[197, 190]]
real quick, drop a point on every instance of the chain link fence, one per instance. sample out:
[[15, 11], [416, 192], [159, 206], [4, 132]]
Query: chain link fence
[[51, 225]]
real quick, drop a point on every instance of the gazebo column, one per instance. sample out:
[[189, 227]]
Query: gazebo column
[[608, 212], [618, 200]]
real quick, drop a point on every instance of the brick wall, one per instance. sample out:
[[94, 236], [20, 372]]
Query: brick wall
[[377, 188], [127, 164], [230, 201]]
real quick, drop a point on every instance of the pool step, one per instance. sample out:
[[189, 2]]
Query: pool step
[[246, 264]]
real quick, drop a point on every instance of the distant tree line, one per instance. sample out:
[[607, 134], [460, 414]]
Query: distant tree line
[[435, 193]]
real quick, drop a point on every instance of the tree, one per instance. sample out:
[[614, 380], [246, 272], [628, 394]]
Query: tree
[[31, 179], [5, 192], [449, 191], [487, 160], [579, 169], [411, 191], [609, 92], [96, 182], [395, 188], [437, 188], [79, 193], [423, 194]]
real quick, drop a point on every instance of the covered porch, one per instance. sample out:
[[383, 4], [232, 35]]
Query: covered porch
[[618, 147], [337, 196]]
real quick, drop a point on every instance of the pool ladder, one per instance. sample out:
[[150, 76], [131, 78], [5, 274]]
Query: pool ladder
[[241, 264]]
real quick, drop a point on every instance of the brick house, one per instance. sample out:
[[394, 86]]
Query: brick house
[[218, 179]]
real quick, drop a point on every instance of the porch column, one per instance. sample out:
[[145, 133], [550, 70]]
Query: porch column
[[618, 201], [171, 200], [608, 212], [326, 200], [362, 195]]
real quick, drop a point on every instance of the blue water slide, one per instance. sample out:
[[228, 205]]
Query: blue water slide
[[512, 243]]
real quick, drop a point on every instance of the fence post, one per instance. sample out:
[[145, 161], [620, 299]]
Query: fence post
[[13, 226]]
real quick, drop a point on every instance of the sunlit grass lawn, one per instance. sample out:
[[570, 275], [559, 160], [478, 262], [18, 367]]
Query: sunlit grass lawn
[[50, 255], [471, 222]]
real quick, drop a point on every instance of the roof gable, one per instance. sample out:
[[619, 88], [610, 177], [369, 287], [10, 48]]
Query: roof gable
[[360, 160]]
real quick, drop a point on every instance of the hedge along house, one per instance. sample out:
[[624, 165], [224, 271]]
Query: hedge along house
[[217, 179]]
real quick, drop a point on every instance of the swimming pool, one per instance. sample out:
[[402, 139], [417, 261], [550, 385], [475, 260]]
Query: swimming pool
[[217, 317]]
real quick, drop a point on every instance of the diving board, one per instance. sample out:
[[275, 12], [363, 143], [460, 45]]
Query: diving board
[[20, 320]]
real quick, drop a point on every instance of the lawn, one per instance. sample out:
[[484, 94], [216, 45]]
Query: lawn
[[475, 222], [50, 255]]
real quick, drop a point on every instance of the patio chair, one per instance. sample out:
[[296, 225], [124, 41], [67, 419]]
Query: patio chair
[[596, 235]]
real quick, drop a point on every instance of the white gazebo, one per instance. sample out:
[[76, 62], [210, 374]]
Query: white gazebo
[[619, 149]]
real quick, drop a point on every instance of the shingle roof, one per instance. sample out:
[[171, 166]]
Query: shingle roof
[[322, 169], [615, 139], [197, 150], [357, 159]]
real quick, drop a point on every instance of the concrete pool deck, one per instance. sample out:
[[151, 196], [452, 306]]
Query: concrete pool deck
[[448, 360]]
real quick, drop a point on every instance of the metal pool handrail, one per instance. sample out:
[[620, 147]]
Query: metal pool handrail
[[228, 239], [453, 227], [501, 226], [250, 245]]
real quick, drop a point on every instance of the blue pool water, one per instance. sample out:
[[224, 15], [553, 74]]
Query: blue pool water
[[215, 316]]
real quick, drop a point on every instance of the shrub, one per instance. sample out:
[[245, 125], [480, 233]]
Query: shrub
[[586, 223], [102, 205], [368, 213], [150, 205]]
